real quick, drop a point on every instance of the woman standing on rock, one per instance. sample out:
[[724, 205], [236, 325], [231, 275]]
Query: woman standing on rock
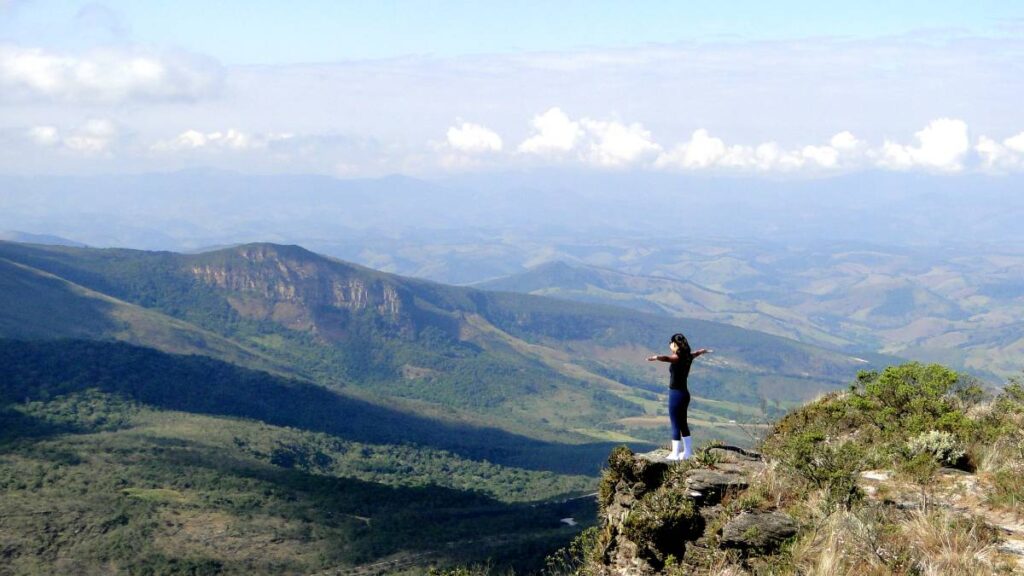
[[678, 394]]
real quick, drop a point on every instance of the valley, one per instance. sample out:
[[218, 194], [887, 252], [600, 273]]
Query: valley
[[308, 414]]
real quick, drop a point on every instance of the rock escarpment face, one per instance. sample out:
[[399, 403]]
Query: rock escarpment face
[[644, 519], [298, 289], [653, 509]]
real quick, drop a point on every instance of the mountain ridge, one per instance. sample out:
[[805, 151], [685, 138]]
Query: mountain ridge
[[535, 365]]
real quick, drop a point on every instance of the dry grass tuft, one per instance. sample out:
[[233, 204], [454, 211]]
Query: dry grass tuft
[[845, 544], [728, 571], [950, 544]]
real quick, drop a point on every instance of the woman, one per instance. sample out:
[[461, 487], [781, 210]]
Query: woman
[[678, 394]]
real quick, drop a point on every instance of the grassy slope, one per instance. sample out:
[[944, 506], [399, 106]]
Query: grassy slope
[[662, 295], [95, 484], [38, 304], [542, 367], [118, 458], [196, 384], [958, 309]]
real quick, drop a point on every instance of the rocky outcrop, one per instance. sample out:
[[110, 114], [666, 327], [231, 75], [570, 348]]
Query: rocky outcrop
[[954, 490], [760, 531], [709, 486], [652, 508], [296, 288]]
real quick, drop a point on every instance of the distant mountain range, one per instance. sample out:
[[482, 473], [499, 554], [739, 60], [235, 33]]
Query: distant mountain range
[[957, 307], [659, 295], [15, 236], [265, 409], [546, 368], [192, 209]]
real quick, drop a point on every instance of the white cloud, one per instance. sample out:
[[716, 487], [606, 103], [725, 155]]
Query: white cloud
[[556, 134], [845, 141], [615, 145], [1015, 143], [472, 138], [942, 145], [824, 156], [95, 136], [1007, 155], [220, 140], [603, 143], [44, 135], [106, 75], [704, 151], [770, 156]]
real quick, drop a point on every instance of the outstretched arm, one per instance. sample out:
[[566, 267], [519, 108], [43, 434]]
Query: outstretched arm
[[700, 352], [672, 358]]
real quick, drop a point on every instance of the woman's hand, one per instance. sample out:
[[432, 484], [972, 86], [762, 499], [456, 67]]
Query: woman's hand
[[652, 358]]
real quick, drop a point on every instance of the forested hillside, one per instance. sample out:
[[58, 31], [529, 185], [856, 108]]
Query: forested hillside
[[264, 409], [552, 369], [117, 458]]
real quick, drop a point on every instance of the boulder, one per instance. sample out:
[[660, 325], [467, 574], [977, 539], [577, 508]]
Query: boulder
[[761, 531], [709, 486]]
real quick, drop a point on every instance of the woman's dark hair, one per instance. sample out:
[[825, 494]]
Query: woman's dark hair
[[682, 343]]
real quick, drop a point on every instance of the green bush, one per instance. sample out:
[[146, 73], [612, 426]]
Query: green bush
[[943, 447], [882, 413], [910, 399], [827, 465], [620, 464], [661, 522], [579, 558]]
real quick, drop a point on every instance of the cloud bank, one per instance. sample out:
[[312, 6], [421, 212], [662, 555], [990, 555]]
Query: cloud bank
[[942, 104], [943, 145], [95, 136], [229, 139], [473, 139], [106, 76]]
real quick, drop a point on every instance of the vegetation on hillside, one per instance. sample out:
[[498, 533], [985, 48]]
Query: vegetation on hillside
[[99, 475], [930, 435], [958, 306], [559, 372], [40, 371], [298, 459]]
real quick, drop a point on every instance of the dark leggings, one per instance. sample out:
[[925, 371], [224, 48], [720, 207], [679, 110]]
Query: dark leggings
[[678, 402]]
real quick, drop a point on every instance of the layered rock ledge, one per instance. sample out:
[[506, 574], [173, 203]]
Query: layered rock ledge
[[652, 508]]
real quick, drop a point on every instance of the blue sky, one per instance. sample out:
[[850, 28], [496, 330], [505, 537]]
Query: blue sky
[[366, 88], [263, 32]]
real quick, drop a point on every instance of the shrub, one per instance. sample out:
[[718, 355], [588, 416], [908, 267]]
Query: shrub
[[830, 466], [881, 413], [620, 463], [579, 558], [660, 524], [910, 399], [942, 446], [706, 458]]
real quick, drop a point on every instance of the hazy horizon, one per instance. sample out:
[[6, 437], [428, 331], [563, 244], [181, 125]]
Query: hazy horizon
[[346, 89]]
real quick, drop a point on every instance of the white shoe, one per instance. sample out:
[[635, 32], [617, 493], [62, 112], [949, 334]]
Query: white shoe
[[687, 449], [675, 455]]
